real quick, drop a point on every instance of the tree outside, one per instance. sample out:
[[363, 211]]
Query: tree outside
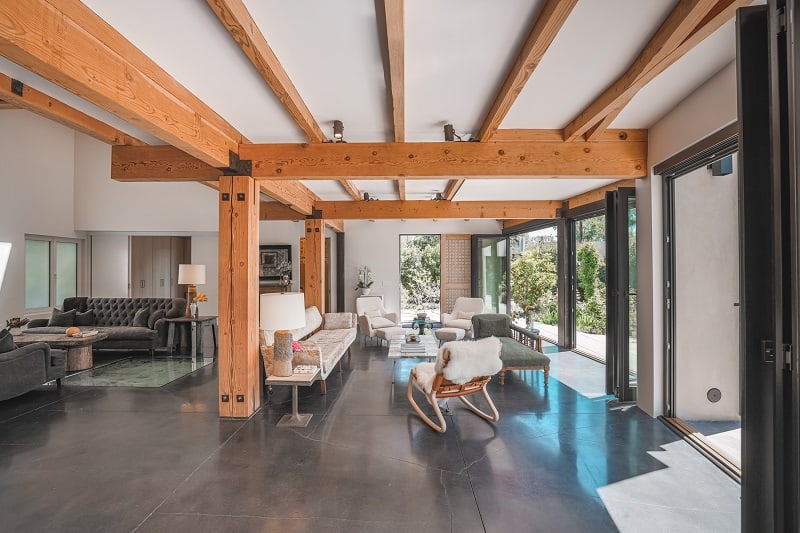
[[420, 273]]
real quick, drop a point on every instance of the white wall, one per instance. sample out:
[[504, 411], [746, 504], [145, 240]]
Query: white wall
[[377, 245], [110, 266], [709, 108], [706, 288], [36, 176]]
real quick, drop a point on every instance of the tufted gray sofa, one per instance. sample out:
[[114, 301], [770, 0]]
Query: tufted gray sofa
[[114, 316]]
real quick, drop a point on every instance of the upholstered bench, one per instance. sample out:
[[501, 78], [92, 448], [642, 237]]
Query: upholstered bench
[[515, 355], [386, 334], [448, 334]]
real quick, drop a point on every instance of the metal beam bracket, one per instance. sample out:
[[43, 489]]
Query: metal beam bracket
[[237, 167]]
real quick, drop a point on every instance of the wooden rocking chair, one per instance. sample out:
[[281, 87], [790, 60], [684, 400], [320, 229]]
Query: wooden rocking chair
[[462, 368]]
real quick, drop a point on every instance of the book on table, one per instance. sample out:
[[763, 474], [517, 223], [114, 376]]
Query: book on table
[[415, 347]]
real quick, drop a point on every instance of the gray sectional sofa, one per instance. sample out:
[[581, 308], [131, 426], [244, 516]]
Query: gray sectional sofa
[[131, 323], [26, 368]]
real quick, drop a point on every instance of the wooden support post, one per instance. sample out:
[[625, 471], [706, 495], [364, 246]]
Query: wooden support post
[[238, 360], [314, 278]]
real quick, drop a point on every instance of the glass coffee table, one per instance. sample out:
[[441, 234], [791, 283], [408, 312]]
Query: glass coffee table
[[427, 347]]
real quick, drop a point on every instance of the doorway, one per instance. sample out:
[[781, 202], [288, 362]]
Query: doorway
[[420, 277]]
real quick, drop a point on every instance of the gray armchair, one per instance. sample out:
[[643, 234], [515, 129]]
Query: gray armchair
[[28, 367]]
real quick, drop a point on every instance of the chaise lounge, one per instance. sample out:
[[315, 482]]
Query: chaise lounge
[[519, 350]]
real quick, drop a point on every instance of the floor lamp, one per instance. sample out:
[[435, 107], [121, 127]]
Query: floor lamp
[[191, 275], [282, 312]]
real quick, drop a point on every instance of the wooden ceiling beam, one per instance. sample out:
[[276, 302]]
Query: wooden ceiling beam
[[453, 186], [69, 45], [335, 225], [688, 18], [351, 189], [415, 209], [52, 109], [547, 25], [6, 105], [167, 163], [240, 25], [400, 184], [531, 135], [598, 194], [278, 211], [620, 159], [391, 27]]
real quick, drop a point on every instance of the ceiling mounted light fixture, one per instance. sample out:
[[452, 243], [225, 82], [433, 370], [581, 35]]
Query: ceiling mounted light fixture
[[368, 198], [450, 133], [439, 196], [338, 131]]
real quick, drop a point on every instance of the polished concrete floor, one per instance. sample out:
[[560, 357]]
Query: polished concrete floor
[[160, 459]]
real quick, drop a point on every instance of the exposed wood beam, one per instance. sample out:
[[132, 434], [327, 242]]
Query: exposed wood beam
[[453, 186], [598, 194], [518, 135], [6, 105], [545, 29], [351, 189], [515, 222], [401, 188], [167, 163], [69, 45], [278, 211], [240, 24], [412, 209], [335, 225], [688, 18], [620, 159], [50, 108], [391, 25]]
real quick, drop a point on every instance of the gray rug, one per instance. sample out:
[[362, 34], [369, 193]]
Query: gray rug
[[141, 372]]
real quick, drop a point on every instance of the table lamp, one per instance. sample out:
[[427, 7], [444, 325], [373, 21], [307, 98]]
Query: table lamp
[[191, 275], [282, 312]]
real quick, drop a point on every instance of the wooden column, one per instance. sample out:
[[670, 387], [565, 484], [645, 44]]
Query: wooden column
[[238, 360], [314, 272]]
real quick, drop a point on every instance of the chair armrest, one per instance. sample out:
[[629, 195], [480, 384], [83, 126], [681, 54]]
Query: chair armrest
[[392, 317], [527, 337], [365, 325]]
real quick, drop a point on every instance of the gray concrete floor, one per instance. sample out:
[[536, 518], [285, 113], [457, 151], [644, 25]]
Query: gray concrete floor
[[160, 459]]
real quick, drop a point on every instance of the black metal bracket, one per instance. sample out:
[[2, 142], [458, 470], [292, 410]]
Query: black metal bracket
[[315, 214], [17, 87], [236, 166]]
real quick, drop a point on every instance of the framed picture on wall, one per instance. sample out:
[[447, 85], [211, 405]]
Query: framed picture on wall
[[275, 261]]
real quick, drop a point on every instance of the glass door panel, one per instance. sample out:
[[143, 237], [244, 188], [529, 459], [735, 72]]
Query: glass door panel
[[489, 267], [66, 270], [534, 281], [590, 295]]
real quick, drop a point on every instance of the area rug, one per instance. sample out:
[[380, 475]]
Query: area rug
[[137, 372]]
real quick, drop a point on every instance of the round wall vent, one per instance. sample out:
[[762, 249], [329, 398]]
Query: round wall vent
[[713, 395]]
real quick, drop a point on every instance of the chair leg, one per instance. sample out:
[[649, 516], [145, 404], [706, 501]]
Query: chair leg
[[323, 387], [503, 377], [546, 375], [494, 417], [432, 400]]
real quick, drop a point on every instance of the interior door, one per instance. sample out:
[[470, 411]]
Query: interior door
[[490, 279], [621, 334]]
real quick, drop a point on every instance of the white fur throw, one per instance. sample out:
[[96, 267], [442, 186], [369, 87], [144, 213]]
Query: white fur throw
[[469, 359]]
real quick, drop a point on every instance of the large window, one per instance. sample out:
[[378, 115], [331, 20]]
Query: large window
[[420, 276], [51, 271], [590, 274], [534, 280]]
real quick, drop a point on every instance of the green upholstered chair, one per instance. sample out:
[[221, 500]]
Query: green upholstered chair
[[514, 354]]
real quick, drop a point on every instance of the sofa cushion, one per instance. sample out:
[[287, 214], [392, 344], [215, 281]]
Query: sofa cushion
[[492, 325], [462, 323], [465, 315], [380, 322], [84, 319], [55, 330], [140, 318], [6, 341], [515, 353], [128, 333], [155, 316], [62, 318], [339, 321]]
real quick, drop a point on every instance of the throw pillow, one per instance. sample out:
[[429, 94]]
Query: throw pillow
[[140, 318], [62, 318], [176, 311], [372, 312], [155, 317], [380, 322], [85, 319], [494, 326], [465, 315], [6, 341]]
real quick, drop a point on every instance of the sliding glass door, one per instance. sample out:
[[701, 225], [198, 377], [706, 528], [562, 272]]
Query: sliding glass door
[[489, 271]]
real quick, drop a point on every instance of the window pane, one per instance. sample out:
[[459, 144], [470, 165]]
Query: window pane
[[37, 274], [66, 271], [534, 281], [590, 295]]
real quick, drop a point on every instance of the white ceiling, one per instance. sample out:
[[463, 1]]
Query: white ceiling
[[457, 53]]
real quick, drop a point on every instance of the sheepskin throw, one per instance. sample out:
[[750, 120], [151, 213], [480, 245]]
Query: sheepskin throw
[[469, 359]]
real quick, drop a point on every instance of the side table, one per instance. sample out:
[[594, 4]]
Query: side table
[[294, 420], [200, 323]]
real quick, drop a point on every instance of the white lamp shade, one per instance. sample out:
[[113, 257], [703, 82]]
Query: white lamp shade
[[191, 274], [283, 310]]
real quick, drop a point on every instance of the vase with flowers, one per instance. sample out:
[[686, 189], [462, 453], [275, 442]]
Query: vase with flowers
[[199, 297], [364, 281]]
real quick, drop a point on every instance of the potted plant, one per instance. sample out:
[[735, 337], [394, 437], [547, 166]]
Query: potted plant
[[364, 281]]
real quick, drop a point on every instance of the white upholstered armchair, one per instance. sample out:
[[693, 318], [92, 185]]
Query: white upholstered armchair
[[461, 316], [372, 317]]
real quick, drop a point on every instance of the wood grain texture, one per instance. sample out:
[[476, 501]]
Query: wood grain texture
[[240, 25], [278, 211], [351, 189], [238, 359], [412, 209], [400, 186], [612, 159], [598, 194], [59, 43], [533, 135], [547, 25], [663, 49], [314, 271], [335, 225], [452, 188], [395, 45], [50, 108]]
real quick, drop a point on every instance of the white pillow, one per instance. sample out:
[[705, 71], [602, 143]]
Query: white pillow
[[373, 312], [380, 322], [465, 315]]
